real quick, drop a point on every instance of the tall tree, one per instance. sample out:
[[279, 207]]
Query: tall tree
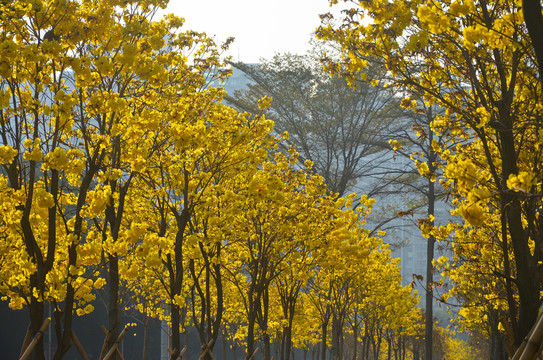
[[79, 84], [343, 131], [419, 178], [479, 66]]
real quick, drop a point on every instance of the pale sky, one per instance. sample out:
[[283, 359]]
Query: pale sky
[[261, 27]]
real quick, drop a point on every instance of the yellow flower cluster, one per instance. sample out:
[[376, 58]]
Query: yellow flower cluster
[[7, 154], [97, 200], [35, 154], [523, 181], [56, 159]]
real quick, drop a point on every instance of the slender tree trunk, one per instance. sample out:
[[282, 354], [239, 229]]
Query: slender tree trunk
[[286, 346], [355, 335], [64, 336], [209, 325], [429, 319], [416, 350], [335, 337], [251, 318], [323, 340], [389, 350], [176, 272], [36, 319], [145, 350], [64, 331], [374, 348], [175, 338], [366, 344], [288, 331], [114, 306], [429, 315], [526, 265], [266, 354]]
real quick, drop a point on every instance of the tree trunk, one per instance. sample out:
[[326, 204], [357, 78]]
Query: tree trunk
[[145, 350], [526, 267], [336, 333], [209, 325], [429, 319], [323, 340], [531, 10], [114, 307], [251, 318], [266, 353], [176, 274], [389, 350], [36, 320], [355, 338], [366, 343], [416, 350], [285, 346], [175, 339]]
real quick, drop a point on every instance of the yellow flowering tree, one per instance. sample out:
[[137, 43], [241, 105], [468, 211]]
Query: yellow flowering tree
[[420, 145], [480, 271], [278, 211], [84, 87], [347, 299], [51, 151], [475, 60], [141, 89], [189, 182]]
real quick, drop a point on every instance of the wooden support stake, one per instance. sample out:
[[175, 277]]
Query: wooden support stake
[[26, 341], [79, 347], [522, 346], [105, 344], [206, 350], [539, 351], [203, 354], [104, 347], [519, 351], [182, 353], [115, 346], [532, 342], [254, 353], [510, 338], [35, 340]]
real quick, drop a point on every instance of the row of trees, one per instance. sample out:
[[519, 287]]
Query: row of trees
[[481, 62], [359, 137], [122, 169]]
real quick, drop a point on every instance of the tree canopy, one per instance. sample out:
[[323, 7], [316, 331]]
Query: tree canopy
[[477, 60], [122, 170]]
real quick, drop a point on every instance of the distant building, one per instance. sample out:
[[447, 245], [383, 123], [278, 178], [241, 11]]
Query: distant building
[[238, 81]]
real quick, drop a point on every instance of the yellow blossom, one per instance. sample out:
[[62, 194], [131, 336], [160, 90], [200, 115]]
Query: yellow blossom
[[7, 154]]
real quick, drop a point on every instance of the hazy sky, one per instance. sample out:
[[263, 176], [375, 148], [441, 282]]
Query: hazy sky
[[261, 27]]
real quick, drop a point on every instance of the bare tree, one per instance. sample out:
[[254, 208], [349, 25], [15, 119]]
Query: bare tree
[[343, 130]]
